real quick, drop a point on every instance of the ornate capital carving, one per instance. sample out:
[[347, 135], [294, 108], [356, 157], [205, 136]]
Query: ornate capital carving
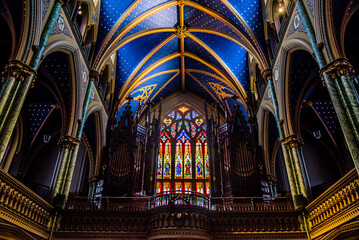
[[181, 32], [293, 141], [267, 74], [68, 142], [338, 68], [94, 75], [18, 70], [272, 180]]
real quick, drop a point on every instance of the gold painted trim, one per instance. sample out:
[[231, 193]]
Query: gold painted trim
[[221, 62], [126, 90], [109, 48]]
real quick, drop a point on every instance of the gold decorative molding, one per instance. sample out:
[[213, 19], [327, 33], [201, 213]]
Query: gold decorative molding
[[68, 142], [21, 207], [338, 68], [336, 206], [18, 70], [182, 32], [293, 141]]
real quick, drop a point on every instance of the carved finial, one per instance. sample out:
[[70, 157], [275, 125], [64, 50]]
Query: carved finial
[[129, 99]]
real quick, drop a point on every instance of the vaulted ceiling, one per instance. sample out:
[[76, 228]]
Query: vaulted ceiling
[[196, 46]]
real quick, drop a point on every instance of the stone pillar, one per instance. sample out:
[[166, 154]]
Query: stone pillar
[[12, 98], [336, 76], [291, 158], [67, 144], [294, 145], [61, 193], [13, 95], [272, 182]]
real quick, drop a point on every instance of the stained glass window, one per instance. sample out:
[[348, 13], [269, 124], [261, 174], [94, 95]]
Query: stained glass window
[[159, 162], [199, 160], [179, 160], [183, 160], [167, 161]]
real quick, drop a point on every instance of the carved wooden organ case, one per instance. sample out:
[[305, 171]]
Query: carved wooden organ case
[[126, 167], [233, 157]]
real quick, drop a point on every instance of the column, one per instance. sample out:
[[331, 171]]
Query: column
[[13, 95], [294, 145], [68, 162], [12, 100], [295, 175], [67, 144], [347, 116], [272, 182]]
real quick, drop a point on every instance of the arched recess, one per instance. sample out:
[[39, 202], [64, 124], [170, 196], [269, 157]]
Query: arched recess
[[274, 157], [89, 155], [72, 56], [45, 118], [310, 114]]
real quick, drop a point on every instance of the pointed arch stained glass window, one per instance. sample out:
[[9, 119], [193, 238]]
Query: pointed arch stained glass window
[[183, 160]]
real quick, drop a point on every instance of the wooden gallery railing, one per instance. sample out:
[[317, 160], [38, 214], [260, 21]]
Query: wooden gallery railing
[[214, 215], [336, 206], [22, 207]]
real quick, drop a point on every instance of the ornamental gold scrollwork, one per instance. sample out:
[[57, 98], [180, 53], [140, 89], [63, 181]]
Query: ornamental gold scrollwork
[[68, 142], [18, 70], [182, 32], [293, 141], [338, 68]]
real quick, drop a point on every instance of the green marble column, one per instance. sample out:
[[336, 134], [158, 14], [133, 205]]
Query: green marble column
[[68, 162], [346, 119], [296, 177], [67, 144], [11, 105]]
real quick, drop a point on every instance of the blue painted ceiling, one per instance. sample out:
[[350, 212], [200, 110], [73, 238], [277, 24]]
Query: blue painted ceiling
[[210, 59]]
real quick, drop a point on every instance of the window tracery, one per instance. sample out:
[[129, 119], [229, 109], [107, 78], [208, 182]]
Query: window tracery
[[183, 145]]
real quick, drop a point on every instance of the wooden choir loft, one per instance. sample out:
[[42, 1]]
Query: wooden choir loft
[[179, 119]]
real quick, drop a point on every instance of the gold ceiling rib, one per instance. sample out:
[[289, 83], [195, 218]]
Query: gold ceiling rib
[[127, 90], [115, 27], [164, 85], [110, 50], [145, 59], [220, 61], [158, 74], [218, 71], [200, 83], [250, 32]]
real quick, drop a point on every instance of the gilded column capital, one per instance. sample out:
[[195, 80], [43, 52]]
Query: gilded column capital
[[272, 180], [18, 70], [94, 75], [68, 142], [293, 141], [267, 74], [338, 68]]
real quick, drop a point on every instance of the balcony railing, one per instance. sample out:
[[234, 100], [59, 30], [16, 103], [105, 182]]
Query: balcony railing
[[336, 206], [218, 204], [23, 207]]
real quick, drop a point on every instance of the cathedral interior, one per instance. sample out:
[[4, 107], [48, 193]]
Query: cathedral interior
[[131, 119]]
